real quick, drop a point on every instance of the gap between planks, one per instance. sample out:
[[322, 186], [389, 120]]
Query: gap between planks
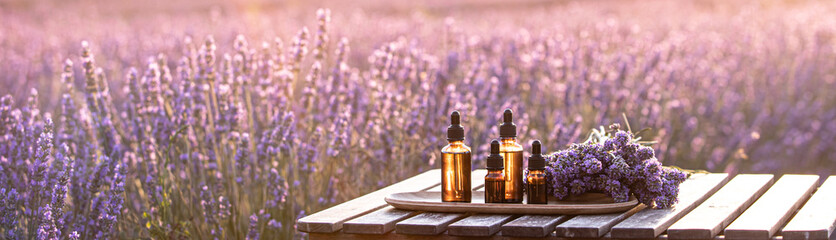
[[717, 212], [593, 226], [430, 223], [650, 223], [331, 219], [816, 218], [384, 220], [773, 209]]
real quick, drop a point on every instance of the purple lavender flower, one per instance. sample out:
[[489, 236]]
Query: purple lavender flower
[[592, 166], [6, 119], [252, 233], [39, 187], [9, 204], [323, 16], [618, 191], [645, 153], [46, 227], [601, 166], [59, 191], [277, 189], [242, 155], [208, 204], [300, 49], [274, 224], [74, 236], [223, 207], [621, 139], [113, 207], [578, 187]]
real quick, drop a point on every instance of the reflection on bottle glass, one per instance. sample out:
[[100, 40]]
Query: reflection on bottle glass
[[512, 153], [536, 189], [495, 179], [455, 164]]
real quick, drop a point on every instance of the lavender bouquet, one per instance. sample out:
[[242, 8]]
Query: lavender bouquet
[[616, 163]]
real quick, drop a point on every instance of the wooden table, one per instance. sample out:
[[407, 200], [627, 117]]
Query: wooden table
[[711, 206]]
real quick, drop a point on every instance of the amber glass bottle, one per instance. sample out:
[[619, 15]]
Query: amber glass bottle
[[495, 180], [536, 189], [455, 164], [512, 153]]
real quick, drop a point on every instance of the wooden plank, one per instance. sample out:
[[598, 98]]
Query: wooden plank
[[588, 203], [649, 223], [593, 226], [429, 223], [383, 220], [480, 225], [377, 222], [773, 209], [332, 219], [465, 227], [816, 218], [394, 236], [532, 225], [710, 217]]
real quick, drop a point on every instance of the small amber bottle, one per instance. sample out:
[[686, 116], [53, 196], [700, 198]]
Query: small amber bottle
[[455, 164], [536, 189], [512, 154], [495, 180]]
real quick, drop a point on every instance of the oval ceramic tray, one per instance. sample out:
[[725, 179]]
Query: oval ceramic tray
[[588, 203]]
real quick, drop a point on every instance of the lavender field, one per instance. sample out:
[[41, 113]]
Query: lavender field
[[232, 119]]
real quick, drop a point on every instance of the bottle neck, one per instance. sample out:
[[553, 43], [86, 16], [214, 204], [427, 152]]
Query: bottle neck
[[496, 171], [456, 143], [536, 171], [508, 139]]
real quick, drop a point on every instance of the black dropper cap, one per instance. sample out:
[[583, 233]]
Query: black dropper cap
[[495, 160], [455, 132], [508, 129], [536, 160]]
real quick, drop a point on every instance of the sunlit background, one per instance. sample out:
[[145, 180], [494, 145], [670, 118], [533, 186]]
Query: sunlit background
[[236, 121]]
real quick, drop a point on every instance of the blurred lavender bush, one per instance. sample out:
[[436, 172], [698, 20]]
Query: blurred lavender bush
[[241, 137]]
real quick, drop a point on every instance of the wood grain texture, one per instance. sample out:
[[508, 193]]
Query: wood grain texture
[[589, 203], [480, 225], [432, 223], [592, 226], [428, 223], [377, 222], [532, 225], [717, 212], [773, 209], [443, 236], [649, 223], [387, 236], [396, 236], [383, 220], [816, 218], [331, 219]]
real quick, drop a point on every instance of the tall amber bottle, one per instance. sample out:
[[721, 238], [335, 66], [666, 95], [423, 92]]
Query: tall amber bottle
[[455, 164], [512, 152], [495, 179], [536, 189]]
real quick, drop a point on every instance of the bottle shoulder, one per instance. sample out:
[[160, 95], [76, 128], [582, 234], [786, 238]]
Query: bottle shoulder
[[456, 148], [510, 146], [536, 174], [495, 175]]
